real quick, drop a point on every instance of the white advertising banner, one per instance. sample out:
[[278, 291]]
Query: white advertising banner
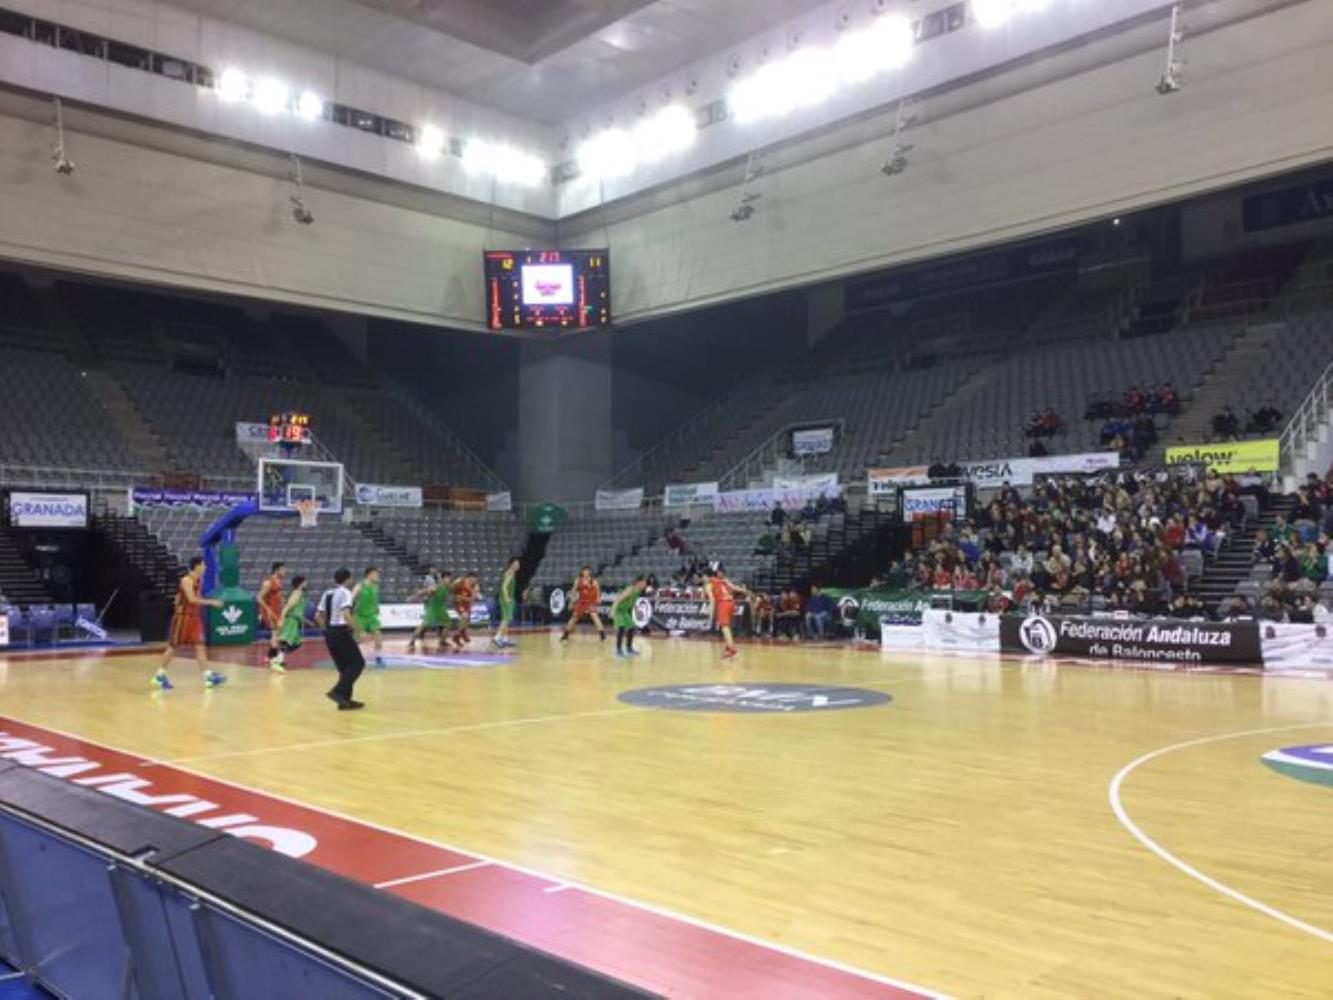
[[740, 500], [812, 441], [374, 495], [48, 510], [823, 481], [965, 631], [620, 499], [885, 482], [1296, 645], [248, 433], [404, 616], [4, 630], [690, 494], [500, 502], [1022, 471]]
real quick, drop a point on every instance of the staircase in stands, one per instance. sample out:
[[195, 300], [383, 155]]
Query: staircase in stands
[[1235, 561], [146, 448], [152, 565], [18, 583], [844, 549]]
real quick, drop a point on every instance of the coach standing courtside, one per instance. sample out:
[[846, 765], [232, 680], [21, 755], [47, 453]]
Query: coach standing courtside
[[335, 614]]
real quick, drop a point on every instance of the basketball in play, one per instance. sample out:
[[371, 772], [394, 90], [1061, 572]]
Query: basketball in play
[[710, 499]]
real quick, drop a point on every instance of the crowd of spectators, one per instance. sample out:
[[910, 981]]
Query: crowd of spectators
[[1296, 550], [1136, 402], [788, 535], [1044, 424], [1228, 427], [1110, 542]]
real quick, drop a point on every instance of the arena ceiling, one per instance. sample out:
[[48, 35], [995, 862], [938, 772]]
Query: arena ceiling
[[545, 60]]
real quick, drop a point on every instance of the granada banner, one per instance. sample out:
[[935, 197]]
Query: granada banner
[[48, 510], [140, 497], [1132, 639], [620, 499], [500, 502], [812, 441], [372, 495], [690, 494], [1229, 456], [927, 502]]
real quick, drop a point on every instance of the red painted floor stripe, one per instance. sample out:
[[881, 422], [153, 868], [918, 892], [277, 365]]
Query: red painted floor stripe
[[642, 945]]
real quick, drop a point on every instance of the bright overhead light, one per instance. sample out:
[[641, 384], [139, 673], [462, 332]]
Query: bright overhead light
[[310, 106], [513, 166], [479, 157], [992, 13], [801, 80], [666, 132], [233, 84], [430, 141], [608, 154], [270, 95]]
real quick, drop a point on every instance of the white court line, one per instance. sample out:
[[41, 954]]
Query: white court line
[[561, 887], [1117, 807], [777, 949], [435, 874], [409, 734]]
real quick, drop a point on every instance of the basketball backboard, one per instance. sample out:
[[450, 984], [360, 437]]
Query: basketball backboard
[[284, 482]]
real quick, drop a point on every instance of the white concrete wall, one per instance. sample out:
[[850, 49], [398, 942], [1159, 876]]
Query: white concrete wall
[[147, 215], [1258, 98]]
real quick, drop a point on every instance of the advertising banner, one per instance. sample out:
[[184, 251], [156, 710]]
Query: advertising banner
[[812, 441], [689, 495], [372, 495], [1132, 639], [972, 632], [865, 609], [1229, 456], [822, 482], [140, 497], [408, 616], [929, 501], [670, 614], [1291, 646], [885, 482], [48, 510], [4, 630], [500, 502], [1023, 471], [546, 518], [741, 500], [620, 499], [252, 434]]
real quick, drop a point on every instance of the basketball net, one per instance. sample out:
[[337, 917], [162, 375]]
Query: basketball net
[[308, 512]]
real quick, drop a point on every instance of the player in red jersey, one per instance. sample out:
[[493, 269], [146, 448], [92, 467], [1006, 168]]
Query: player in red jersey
[[187, 628], [269, 602], [722, 594], [465, 593], [588, 597]]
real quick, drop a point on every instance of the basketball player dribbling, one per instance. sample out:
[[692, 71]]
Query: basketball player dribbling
[[588, 597], [465, 593], [722, 594], [435, 614], [187, 628]]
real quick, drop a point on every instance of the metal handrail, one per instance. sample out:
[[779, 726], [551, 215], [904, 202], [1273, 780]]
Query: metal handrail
[[54, 475], [1304, 423]]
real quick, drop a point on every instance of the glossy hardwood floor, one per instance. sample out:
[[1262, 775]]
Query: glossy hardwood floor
[[962, 836]]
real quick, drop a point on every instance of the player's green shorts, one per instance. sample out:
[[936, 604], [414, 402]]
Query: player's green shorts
[[507, 610], [368, 622], [623, 616], [290, 633], [436, 616]]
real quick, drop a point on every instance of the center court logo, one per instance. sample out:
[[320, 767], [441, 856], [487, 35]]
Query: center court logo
[[1038, 635], [1305, 763], [758, 699]]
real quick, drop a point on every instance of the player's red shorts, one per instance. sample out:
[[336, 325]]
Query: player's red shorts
[[725, 611], [464, 613], [580, 610], [187, 629]]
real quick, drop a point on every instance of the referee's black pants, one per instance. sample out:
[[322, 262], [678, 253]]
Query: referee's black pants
[[346, 657]]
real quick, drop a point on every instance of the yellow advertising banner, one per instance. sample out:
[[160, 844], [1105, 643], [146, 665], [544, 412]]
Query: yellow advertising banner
[[1229, 456]]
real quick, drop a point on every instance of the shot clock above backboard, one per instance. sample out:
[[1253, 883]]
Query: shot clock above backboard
[[555, 290]]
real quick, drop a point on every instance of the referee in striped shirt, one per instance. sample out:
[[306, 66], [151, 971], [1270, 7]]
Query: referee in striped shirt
[[335, 611]]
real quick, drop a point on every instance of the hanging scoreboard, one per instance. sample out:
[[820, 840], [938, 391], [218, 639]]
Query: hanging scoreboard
[[555, 290]]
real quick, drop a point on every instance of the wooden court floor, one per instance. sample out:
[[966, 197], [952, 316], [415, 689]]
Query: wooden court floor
[[996, 829]]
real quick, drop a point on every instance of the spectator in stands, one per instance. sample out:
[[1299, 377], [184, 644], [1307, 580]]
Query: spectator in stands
[[768, 543], [763, 615], [997, 602], [1263, 420], [809, 512], [778, 517], [1173, 534], [1233, 607], [819, 612], [789, 615], [1226, 425], [1282, 532], [1038, 449], [1021, 563], [1307, 507], [1314, 564], [1265, 549]]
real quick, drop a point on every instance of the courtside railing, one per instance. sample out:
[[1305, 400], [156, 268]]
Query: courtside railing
[[1304, 423]]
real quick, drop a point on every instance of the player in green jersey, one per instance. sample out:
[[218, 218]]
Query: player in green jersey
[[366, 610], [508, 598], [622, 613], [289, 631], [437, 591]]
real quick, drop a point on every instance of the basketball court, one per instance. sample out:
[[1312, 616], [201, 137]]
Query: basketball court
[[807, 821]]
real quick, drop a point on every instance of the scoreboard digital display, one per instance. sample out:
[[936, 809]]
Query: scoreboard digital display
[[289, 428], [548, 289]]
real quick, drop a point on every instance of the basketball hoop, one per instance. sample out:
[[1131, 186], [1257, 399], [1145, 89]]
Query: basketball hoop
[[308, 511]]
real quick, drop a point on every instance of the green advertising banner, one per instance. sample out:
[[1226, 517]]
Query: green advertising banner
[[546, 517], [864, 608], [234, 623]]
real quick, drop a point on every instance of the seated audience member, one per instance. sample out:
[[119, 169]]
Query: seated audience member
[[1314, 564], [1282, 532], [1226, 424], [1235, 606], [768, 543], [778, 517], [819, 612], [1307, 507], [1037, 449], [789, 615], [1304, 611], [1263, 420], [997, 602], [763, 615], [1265, 549]]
